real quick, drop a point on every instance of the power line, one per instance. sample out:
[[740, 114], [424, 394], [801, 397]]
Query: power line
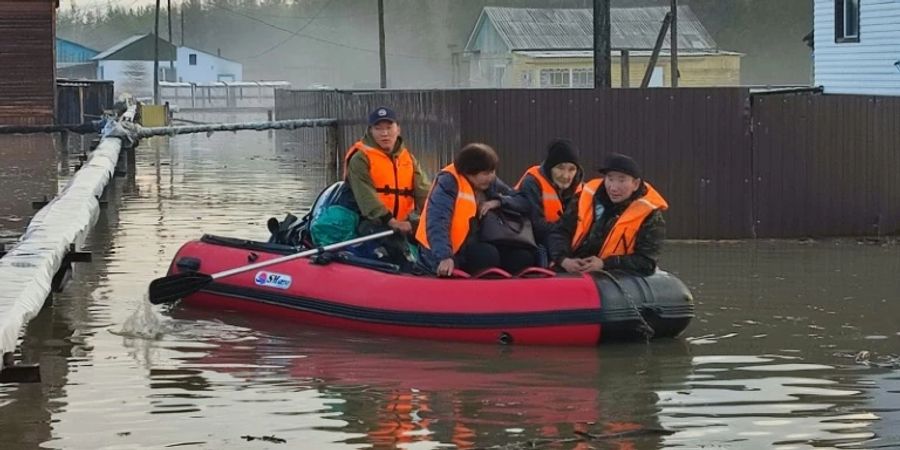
[[318, 39], [339, 16], [295, 33]]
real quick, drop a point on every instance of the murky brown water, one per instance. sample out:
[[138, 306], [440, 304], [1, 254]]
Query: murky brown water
[[28, 173], [767, 363]]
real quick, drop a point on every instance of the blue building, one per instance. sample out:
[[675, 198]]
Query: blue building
[[73, 52], [73, 60]]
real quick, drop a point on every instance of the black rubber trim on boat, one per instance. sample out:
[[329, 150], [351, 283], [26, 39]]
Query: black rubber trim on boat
[[425, 319], [248, 244], [625, 314]]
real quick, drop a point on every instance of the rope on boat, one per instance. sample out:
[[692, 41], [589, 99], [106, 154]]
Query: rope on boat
[[644, 327]]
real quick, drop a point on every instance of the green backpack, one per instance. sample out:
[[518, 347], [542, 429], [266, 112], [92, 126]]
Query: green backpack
[[334, 224]]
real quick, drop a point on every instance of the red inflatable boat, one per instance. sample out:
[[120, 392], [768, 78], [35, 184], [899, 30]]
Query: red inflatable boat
[[336, 290]]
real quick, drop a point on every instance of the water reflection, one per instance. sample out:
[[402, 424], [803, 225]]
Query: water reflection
[[793, 348], [801, 306], [388, 392], [763, 402], [28, 173], [804, 297], [885, 402], [60, 339]]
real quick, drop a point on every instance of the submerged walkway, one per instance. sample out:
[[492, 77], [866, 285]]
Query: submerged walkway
[[28, 269]]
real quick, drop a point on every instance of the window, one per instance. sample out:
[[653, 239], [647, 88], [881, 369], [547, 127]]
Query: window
[[846, 20], [555, 78], [497, 76], [565, 78], [192, 59], [582, 78]]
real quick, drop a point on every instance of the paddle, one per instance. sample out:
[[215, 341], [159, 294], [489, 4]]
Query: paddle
[[173, 287]]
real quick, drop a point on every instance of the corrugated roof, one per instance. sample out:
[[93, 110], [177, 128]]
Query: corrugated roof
[[71, 42], [632, 28], [106, 53]]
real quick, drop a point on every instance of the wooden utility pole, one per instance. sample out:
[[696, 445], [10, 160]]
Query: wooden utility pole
[[169, 14], [156, 56], [602, 45], [381, 52], [625, 65], [181, 10], [673, 43], [660, 38]]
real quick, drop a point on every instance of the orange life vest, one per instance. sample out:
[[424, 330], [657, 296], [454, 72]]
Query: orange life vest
[[393, 178], [398, 421], [621, 238], [464, 210], [550, 201]]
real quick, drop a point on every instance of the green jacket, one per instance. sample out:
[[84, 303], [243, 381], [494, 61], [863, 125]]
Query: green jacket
[[370, 207]]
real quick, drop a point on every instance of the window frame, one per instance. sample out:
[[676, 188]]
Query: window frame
[[565, 76], [840, 21], [586, 73]]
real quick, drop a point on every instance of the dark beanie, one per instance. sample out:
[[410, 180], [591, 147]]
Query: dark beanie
[[560, 151], [620, 163]]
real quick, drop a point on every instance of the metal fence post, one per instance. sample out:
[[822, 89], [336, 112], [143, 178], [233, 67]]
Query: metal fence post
[[333, 153]]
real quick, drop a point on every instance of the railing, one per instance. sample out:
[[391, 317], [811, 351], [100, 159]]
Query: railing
[[221, 95]]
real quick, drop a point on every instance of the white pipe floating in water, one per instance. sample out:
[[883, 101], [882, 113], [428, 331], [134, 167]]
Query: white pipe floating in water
[[27, 269], [258, 126]]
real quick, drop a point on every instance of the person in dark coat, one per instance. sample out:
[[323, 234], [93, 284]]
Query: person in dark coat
[[462, 193], [551, 186], [617, 223]]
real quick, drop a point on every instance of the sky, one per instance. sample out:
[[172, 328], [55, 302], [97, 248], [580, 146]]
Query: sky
[[65, 4], [341, 39]]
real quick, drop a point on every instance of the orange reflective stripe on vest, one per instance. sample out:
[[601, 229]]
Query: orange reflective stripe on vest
[[463, 211], [550, 202], [621, 238], [393, 178]]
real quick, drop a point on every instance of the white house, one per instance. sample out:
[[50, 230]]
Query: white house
[[196, 66], [130, 65], [857, 46]]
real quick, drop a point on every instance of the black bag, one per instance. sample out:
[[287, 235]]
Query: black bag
[[505, 227], [291, 231]]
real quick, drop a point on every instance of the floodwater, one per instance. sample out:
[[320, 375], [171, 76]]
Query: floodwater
[[795, 344]]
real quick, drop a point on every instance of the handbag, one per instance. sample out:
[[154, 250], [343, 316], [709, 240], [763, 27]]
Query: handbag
[[505, 227]]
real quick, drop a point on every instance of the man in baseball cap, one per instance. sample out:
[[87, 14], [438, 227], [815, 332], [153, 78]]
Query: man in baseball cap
[[387, 184], [382, 114], [616, 223]]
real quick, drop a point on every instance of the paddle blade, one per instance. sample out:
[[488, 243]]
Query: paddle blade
[[173, 287]]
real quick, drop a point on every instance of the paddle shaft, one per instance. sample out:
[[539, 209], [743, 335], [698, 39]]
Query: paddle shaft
[[302, 254]]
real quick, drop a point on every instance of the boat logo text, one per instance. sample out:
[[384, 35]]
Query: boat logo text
[[272, 279]]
